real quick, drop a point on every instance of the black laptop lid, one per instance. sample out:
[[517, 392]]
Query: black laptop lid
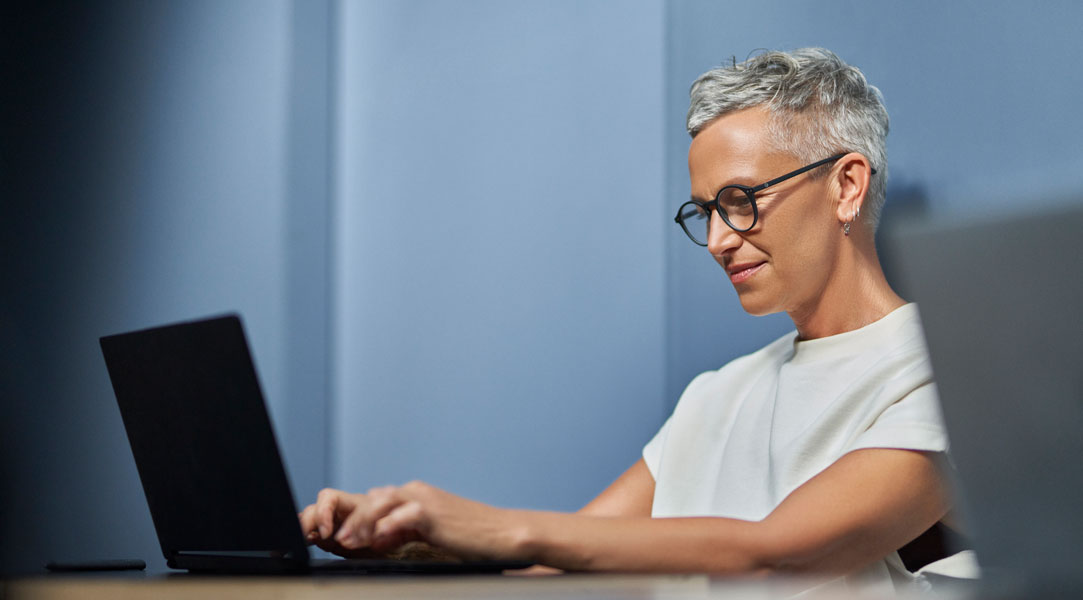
[[202, 439]]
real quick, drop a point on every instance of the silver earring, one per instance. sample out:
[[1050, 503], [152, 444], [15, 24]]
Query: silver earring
[[846, 228], [857, 213]]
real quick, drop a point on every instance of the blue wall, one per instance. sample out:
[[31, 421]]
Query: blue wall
[[499, 246]]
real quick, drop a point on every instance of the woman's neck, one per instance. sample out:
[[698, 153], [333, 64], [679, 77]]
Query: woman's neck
[[856, 295]]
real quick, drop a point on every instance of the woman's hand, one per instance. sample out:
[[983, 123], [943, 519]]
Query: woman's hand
[[334, 522], [320, 522], [388, 517]]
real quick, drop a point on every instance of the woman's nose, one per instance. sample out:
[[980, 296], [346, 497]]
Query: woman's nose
[[721, 238]]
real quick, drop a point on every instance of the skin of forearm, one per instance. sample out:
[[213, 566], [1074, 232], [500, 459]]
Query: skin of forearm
[[705, 544], [641, 544]]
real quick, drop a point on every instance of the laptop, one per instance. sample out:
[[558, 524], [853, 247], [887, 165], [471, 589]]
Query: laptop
[[207, 457], [1001, 304]]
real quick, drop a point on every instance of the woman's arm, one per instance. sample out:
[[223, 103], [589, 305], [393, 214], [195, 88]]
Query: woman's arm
[[631, 495], [866, 505]]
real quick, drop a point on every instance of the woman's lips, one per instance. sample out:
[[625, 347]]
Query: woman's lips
[[741, 273]]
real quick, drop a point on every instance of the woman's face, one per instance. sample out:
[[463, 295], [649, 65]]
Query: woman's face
[[786, 260]]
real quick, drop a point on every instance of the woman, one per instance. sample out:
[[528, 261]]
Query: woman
[[820, 453]]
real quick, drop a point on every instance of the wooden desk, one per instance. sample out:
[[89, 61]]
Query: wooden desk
[[607, 587]]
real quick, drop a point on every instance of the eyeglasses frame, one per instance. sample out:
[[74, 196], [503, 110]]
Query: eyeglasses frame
[[750, 192]]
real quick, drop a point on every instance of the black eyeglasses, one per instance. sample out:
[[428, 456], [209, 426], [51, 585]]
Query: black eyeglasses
[[736, 204]]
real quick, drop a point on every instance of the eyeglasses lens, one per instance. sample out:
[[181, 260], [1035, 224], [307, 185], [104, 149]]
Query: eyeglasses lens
[[695, 221], [738, 208]]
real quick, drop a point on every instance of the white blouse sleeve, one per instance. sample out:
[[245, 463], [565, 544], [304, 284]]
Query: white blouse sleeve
[[913, 423]]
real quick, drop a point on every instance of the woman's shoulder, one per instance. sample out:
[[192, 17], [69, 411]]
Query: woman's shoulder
[[769, 357]]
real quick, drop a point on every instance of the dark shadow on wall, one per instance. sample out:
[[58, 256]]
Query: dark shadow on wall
[[133, 153], [60, 441]]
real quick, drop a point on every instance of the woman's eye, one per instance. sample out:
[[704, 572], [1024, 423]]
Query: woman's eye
[[734, 200]]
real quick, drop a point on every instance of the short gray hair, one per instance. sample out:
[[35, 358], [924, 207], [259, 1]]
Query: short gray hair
[[819, 106]]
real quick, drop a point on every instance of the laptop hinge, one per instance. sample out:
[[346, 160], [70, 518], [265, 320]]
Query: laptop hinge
[[238, 561]]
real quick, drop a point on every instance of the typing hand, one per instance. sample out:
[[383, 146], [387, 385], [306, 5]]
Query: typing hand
[[323, 524], [388, 517]]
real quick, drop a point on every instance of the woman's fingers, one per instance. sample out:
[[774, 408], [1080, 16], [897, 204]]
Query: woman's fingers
[[343, 523], [383, 500], [400, 526], [307, 517], [356, 531], [327, 505], [383, 518], [407, 516]]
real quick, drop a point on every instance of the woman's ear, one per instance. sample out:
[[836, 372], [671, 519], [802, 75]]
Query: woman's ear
[[851, 176]]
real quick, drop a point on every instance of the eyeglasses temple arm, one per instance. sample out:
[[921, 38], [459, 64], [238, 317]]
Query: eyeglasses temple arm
[[764, 186]]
